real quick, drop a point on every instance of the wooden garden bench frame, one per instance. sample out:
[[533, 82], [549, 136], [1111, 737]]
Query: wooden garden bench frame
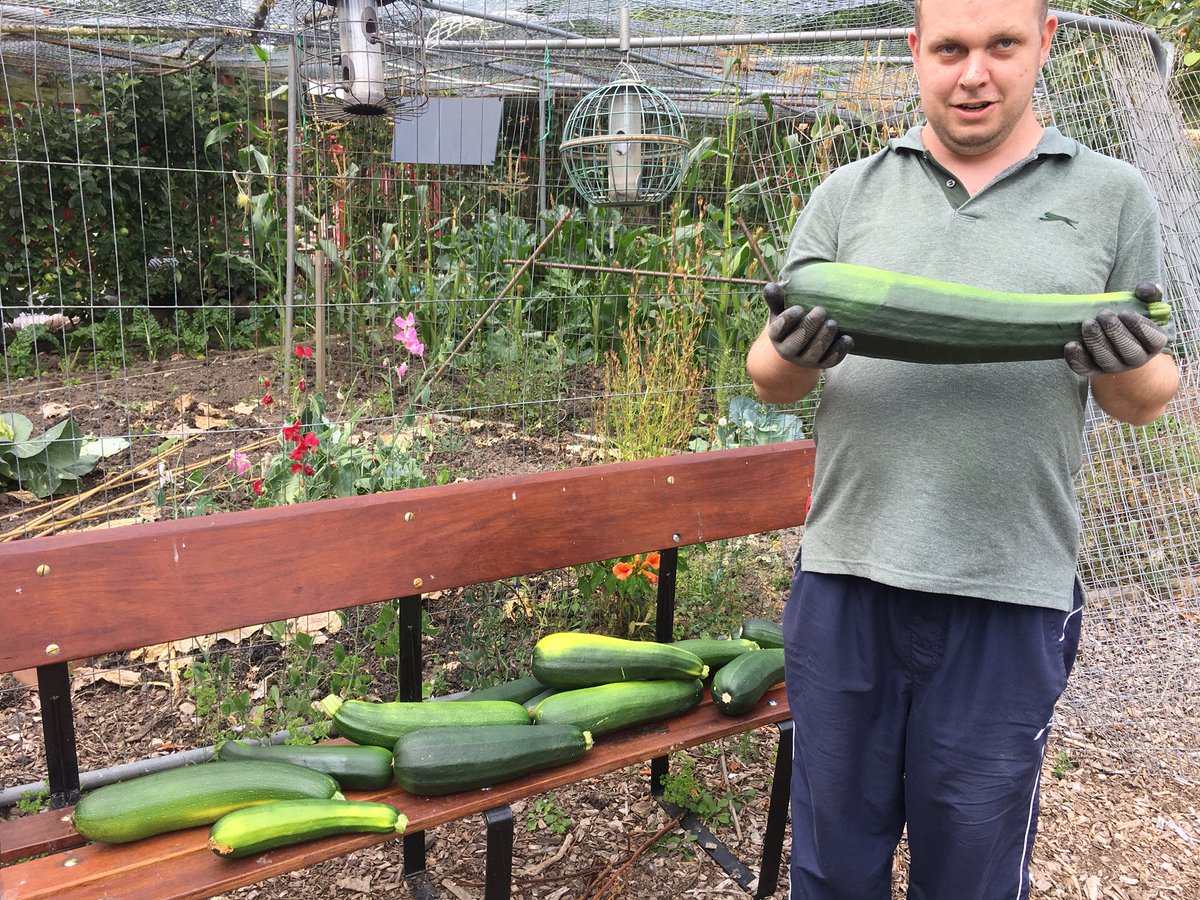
[[81, 595]]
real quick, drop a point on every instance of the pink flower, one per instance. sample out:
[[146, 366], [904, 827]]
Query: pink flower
[[239, 462], [401, 370], [413, 345], [303, 352]]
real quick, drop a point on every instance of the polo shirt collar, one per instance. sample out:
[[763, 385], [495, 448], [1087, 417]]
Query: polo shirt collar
[[1053, 142]]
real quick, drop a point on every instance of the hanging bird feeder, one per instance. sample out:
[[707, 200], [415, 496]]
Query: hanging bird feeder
[[625, 144], [364, 57]]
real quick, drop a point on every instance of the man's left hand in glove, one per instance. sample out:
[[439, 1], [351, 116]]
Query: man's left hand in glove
[[1116, 342]]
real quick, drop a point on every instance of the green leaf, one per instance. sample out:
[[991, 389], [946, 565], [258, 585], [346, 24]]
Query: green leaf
[[261, 53], [220, 133], [21, 427], [103, 447], [1191, 59]]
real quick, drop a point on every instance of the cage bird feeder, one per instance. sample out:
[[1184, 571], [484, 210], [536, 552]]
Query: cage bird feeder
[[364, 58], [624, 144]]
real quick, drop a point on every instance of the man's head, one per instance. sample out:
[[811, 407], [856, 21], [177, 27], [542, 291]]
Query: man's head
[[977, 62], [1043, 13]]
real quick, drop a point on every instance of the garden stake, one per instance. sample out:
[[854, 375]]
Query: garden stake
[[537, 251], [754, 249]]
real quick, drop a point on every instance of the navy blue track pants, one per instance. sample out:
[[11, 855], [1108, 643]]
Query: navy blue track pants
[[918, 709]]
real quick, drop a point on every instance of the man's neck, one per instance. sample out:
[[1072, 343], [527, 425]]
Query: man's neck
[[975, 171]]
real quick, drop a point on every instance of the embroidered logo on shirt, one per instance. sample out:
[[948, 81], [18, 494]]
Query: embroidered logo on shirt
[[1055, 217]]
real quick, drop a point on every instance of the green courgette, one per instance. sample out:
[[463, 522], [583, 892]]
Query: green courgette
[[245, 832], [382, 724], [610, 707], [715, 652], [355, 768], [518, 691], [448, 760], [763, 632], [570, 659], [192, 795], [914, 319], [738, 686]]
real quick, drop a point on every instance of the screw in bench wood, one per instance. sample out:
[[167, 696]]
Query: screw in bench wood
[[43, 570], [53, 650], [670, 479], [417, 582], [408, 516], [71, 861]]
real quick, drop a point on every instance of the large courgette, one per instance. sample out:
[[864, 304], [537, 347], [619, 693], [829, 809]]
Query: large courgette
[[192, 795], [738, 686], [447, 760], [763, 632], [245, 832], [518, 690], [622, 704], [382, 724], [570, 659], [355, 768], [717, 651], [915, 319]]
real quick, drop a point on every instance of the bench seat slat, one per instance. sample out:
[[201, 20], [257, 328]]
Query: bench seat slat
[[180, 865], [75, 596]]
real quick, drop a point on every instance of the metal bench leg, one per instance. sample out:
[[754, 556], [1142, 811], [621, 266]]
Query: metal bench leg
[[781, 790], [58, 729], [498, 881]]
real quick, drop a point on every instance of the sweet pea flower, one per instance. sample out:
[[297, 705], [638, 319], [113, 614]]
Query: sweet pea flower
[[239, 462]]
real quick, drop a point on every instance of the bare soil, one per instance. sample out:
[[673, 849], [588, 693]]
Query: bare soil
[[1105, 832]]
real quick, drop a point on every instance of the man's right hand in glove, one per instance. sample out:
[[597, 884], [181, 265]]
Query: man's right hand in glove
[[806, 338]]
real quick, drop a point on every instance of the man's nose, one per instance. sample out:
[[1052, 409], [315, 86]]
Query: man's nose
[[975, 71]]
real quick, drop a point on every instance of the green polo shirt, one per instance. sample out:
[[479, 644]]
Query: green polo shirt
[[959, 479]]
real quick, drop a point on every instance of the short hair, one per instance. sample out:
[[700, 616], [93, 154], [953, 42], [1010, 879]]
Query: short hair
[[1045, 11]]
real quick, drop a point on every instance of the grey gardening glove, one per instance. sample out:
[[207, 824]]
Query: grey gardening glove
[[1118, 341], [804, 338]]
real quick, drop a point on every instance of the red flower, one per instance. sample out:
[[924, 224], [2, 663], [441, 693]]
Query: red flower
[[296, 467], [266, 383], [297, 452], [292, 432], [258, 488], [303, 352], [310, 441], [303, 385], [622, 570], [309, 470], [267, 400]]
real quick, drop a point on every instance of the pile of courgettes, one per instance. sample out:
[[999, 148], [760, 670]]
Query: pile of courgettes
[[257, 797]]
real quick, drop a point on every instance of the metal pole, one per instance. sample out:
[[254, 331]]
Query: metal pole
[[289, 312], [1093, 24], [543, 110], [319, 313]]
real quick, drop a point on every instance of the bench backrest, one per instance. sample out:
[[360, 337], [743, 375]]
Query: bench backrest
[[79, 595]]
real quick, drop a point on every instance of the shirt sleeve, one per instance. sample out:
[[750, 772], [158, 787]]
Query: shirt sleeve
[[814, 237], [1139, 255]]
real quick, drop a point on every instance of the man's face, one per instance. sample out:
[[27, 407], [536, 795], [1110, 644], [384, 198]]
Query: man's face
[[977, 62]]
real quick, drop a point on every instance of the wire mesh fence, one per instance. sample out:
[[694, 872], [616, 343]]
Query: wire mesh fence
[[174, 251]]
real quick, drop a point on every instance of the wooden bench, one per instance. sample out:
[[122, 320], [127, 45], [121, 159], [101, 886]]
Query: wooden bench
[[77, 596]]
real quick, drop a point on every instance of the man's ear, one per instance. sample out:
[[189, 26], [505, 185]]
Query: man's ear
[[1048, 31]]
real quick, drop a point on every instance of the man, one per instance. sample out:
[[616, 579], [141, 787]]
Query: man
[[935, 613]]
